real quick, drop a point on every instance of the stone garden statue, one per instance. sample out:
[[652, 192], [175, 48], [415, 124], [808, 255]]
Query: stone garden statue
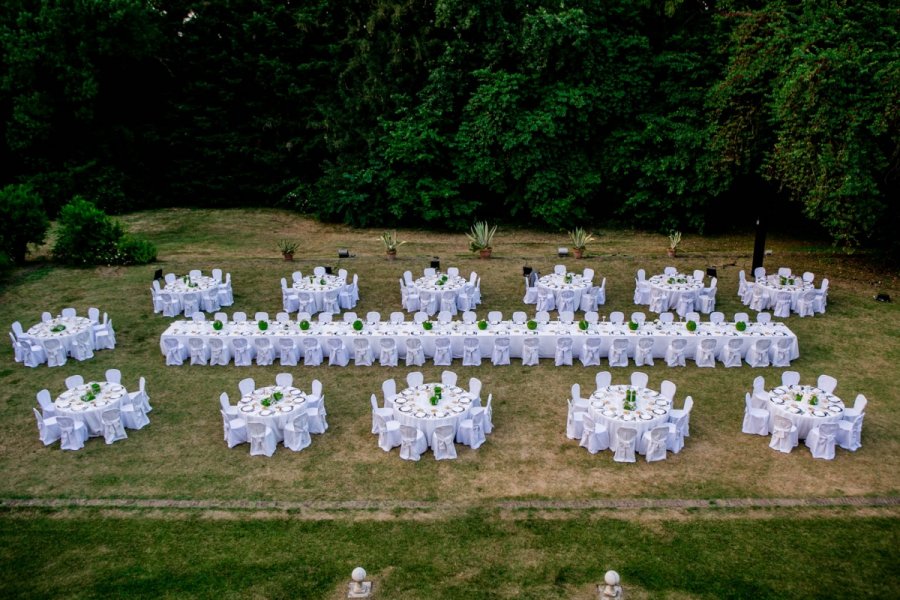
[[611, 590]]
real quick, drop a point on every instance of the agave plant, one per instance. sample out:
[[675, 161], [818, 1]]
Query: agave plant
[[580, 238], [389, 238], [481, 236], [674, 239]]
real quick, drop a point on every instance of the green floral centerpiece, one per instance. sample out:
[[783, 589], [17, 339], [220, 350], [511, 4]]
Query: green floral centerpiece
[[322, 281], [633, 325], [814, 401], [357, 325], [482, 324], [58, 328], [630, 400], [438, 391], [434, 400], [304, 325], [583, 325], [95, 388], [798, 397], [217, 325], [263, 325], [89, 397], [568, 278], [427, 325], [691, 326], [531, 325], [741, 325]]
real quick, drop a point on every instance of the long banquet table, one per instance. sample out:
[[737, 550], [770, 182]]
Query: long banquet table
[[457, 331]]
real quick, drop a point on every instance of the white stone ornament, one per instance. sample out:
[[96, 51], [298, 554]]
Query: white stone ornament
[[611, 589], [359, 588]]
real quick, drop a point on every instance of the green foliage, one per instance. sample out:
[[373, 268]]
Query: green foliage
[[481, 236], [22, 222], [88, 236]]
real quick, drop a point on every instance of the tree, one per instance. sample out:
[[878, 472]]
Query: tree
[[23, 221]]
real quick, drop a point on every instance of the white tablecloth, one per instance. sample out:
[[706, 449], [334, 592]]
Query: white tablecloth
[[651, 410], [783, 401], [73, 326], [557, 283], [318, 286], [795, 285], [413, 408], [676, 286], [72, 403], [427, 283], [279, 412], [458, 332], [197, 285]]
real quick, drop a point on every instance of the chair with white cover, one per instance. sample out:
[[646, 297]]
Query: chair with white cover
[[388, 430], [414, 379], [448, 301], [821, 440], [781, 352], [641, 289], [542, 317], [318, 417], [602, 379], [442, 443], [564, 351], [306, 302], [387, 352], [409, 297], [225, 293], [415, 354], [639, 379], [209, 300], [559, 269], [428, 302], [133, 413], [175, 351], [759, 385], [83, 346], [72, 433], [626, 437], [677, 427], [758, 353], [155, 291], [500, 352], [826, 383], [262, 439], [345, 296], [849, 433], [654, 443], [169, 278], [362, 353], [140, 397], [716, 317], [784, 271], [487, 411], [675, 353], [243, 352], [471, 352], [337, 353], [171, 304], [199, 351], [471, 431], [578, 402], [698, 275], [670, 271], [659, 301], [287, 352], [261, 315], [198, 317], [667, 390], [764, 318], [760, 299], [412, 443], [290, 300], [618, 353], [312, 352], [330, 302], [442, 354], [530, 352], [730, 354], [373, 317], [48, 409], [385, 413], [784, 434], [566, 301], [453, 271], [821, 298], [545, 301], [594, 435], [599, 293], [113, 428], [592, 317], [782, 307], [756, 416], [48, 428], [104, 334], [190, 303], [692, 316], [684, 305], [790, 378], [590, 353], [519, 317], [643, 352], [239, 316], [397, 318], [531, 291], [72, 381], [574, 421], [469, 317], [706, 353], [566, 317], [228, 411], [296, 433], [706, 299], [859, 407], [759, 273]]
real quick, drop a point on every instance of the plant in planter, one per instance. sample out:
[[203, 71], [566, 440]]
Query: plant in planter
[[580, 238], [481, 238], [674, 241], [288, 248], [389, 239]]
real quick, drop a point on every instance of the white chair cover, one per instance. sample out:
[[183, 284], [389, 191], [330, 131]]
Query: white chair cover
[[784, 434], [296, 433], [564, 351], [362, 353], [243, 353], [287, 352], [48, 429], [384, 412], [471, 352], [781, 353], [624, 445], [72, 433], [758, 353], [821, 440], [643, 352], [594, 436], [83, 347], [471, 431], [262, 439], [415, 354], [756, 420], [442, 354], [388, 432], [113, 428], [675, 353], [849, 433], [442, 443], [199, 351], [387, 354], [312, 352], [175, 352], [412, 443], [730, 355], [590, 354], [500, 353], [706, 353], [337, 353], [618, 353], [826, 383], [530, 352], [654, 443]]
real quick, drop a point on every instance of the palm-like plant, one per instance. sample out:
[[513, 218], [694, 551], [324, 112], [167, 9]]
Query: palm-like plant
[[481, 236], [389, 238], [580, 238], [674, 239]]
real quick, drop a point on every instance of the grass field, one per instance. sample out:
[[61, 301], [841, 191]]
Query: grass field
[[556, 552]]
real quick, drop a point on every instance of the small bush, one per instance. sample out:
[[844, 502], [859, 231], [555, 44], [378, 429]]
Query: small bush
[[135, 251], [88, 236], [22, 222]]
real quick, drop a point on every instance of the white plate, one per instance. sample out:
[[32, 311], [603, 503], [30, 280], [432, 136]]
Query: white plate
[[286, 408], [440, 414], [820, 413], [661, 402], [399, 400], [246, 409], [646, 417], [63, 404], [265, 412], [406, 409], [457, 409], [420, 415], [777, 400], [659, 411]]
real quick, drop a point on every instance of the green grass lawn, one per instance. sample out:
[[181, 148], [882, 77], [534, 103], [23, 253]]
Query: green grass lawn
[[181, 455]]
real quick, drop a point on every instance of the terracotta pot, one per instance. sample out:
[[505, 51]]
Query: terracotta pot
[[670, 252], [484, 253], [578, 253], [391, 254], [288, 256]]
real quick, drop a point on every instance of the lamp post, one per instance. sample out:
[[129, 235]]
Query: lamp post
[[759, 246]]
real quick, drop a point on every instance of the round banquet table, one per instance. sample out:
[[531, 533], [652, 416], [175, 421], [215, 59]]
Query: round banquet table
[[556, 283], [783, 401], [198, 285], [279, 412], [72, 403], [676, 286], [72, 326], [318, 286], [412, 408], [794, 284], [652, 410]]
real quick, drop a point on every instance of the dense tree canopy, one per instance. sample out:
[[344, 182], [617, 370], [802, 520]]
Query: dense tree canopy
[[438, 112]]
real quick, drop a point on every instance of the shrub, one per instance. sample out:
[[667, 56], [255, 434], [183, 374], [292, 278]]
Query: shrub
[[88, 236], [22, 222]]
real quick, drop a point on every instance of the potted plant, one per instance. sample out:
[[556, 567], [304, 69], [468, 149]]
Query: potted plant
[[389, 239], [288, 248], [674, 240], [481, 238], [580, 238]]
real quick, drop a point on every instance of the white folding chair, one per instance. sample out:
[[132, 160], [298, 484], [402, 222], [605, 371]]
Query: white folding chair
[[654, 443], [113, 428], [442, 443], [624, 444], [500, 352], [564, 351], [415, 354], [675, 353], [412, 443], [296, 433], [784, 434], [821, 440], [594, 436], [756, 418], [262, 439]]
